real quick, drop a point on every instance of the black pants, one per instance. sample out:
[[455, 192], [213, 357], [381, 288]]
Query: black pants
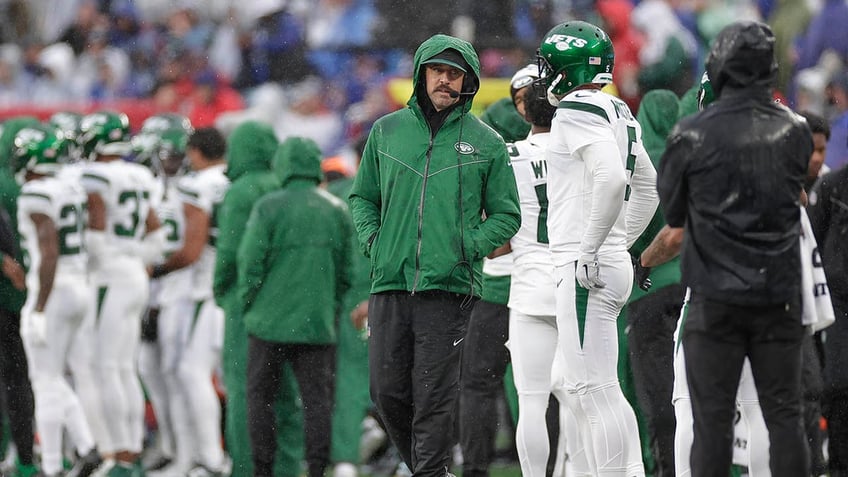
[[484, 361], [16, 392], [651, 322], [835, 395], [414, 355], [717, 337], [314, 369], [811, 393], [835, 408]]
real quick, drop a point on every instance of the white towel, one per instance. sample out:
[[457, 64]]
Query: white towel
[[817, 310]]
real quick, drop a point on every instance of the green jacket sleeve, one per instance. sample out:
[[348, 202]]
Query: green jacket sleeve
[[229, 236], [252, 258], [500, 203], [365, 197]]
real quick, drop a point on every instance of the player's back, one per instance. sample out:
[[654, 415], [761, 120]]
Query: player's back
[[205, 190], [127, 191], [64, 202], [530, 243], [587, 117]]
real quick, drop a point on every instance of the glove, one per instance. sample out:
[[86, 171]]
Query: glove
[[589, 272], [641, 275], [34, 327]]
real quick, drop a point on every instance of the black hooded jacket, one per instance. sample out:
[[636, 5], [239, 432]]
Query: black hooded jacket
[[732, 175]]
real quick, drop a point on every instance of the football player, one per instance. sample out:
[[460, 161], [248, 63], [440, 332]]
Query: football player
[[601, 192], [532, 321], [160, 327], [51, 219], [123, 234], [201, 320]]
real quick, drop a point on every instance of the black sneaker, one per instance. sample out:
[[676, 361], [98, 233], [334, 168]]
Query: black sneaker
[[86, 465]]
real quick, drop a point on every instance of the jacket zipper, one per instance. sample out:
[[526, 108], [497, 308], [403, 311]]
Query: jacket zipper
[[421, 214]]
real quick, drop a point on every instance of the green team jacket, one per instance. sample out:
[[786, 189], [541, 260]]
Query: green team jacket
[[406, 205], [294, 259], [250, 149]]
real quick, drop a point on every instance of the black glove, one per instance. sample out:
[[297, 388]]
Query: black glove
[[641, 275]]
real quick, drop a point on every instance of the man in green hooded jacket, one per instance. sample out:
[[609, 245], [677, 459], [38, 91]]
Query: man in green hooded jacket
[[250, 148], [293, 273], [434, 195]]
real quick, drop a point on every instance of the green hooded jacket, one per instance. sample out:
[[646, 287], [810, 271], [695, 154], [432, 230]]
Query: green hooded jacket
[[506, 121], [11, 299], [418, 199], [294, 260], [657, 115], [360, 284], [504, 118], [250, 148]]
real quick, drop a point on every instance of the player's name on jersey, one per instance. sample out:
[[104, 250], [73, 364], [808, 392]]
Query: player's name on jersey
[[540, 168]]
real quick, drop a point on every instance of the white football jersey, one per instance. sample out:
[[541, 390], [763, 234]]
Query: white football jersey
[[128, 191], [64, 202], [587, 117], [532, 286], [205, 190], [177, 284]]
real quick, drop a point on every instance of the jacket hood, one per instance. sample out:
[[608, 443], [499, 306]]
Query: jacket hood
[[657, 115], [250, 147], [504, 118], [742, 56], [435, 45], [298, 158]]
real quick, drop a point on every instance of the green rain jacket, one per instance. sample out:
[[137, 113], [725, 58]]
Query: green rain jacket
[[410, 217], [504, 118], [294, 260], [250, 148], [657, 115], [11, 299]]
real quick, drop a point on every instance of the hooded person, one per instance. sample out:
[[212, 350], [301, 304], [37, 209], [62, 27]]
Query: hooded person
[[504, 118], [14, 372], [429, 175], [725, 165], [652, 313], [250, 149], [293, 273], [352, 396]]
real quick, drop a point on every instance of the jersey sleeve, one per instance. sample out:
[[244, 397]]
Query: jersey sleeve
[[36, 200], [643, 199], [191, 191]]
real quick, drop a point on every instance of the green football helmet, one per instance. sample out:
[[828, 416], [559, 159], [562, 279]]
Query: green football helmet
[[146, 142], [69, 123], [40, 149], [159, 123], [572, 54], [706, 95], [100, 128], [171, 152]]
